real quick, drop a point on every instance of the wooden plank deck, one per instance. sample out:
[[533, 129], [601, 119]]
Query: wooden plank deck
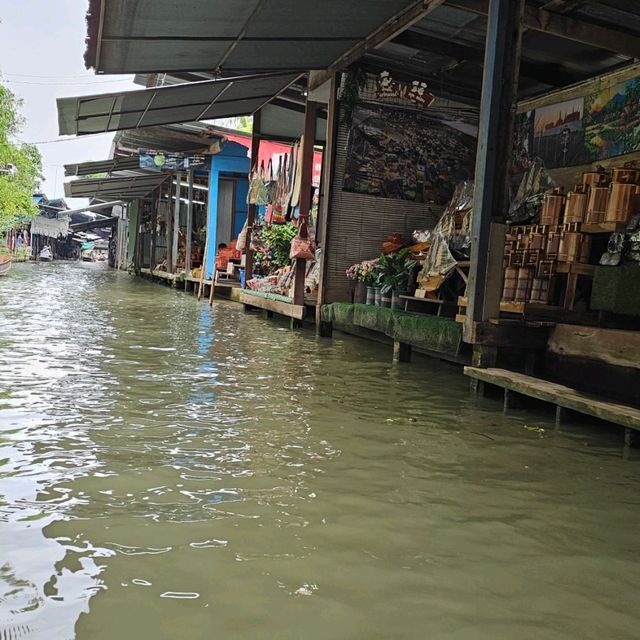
[[559, 395], [297, 312]]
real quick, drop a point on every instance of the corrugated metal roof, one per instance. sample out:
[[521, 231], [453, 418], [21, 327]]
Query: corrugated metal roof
[[115, 188], [138, 36], [102, 166], [187, 102]]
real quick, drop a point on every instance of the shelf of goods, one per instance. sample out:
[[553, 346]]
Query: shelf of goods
[[538, 257]]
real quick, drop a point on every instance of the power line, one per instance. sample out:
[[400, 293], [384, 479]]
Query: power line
[[25, 75], [59, 84]]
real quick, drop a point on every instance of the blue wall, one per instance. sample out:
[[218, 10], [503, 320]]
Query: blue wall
[[232, 160]]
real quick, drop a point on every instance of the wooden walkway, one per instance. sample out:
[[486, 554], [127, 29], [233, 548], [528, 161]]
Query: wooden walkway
[[559, 395]]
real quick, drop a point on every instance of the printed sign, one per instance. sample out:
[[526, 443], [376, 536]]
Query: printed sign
[[166, 161]]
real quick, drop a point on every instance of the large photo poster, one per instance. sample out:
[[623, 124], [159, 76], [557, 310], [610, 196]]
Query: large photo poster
[[559, 137], [612, 119], [400, 153]]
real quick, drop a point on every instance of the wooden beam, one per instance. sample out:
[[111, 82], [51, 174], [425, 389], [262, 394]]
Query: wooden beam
[[172, 266], [253, 209], [328, 160], [553, 75], [295, 311], [189, 226], [491, 197], [306, 178], [389, 30], [560, 395], [556, 24]]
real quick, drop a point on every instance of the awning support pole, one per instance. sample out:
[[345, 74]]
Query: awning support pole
[[155, 205], [327, 180], [189, 230], [308, 143], [176, 223], [493, 163], [252, 212]]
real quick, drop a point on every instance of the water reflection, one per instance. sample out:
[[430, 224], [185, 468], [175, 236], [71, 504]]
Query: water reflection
[[171, 471]]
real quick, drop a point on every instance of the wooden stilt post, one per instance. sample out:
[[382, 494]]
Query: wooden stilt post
[[497, 120], [327, 181], [252, 212], [189, 229], [309, 140], [169, 225], [176, 224], [154, 216]]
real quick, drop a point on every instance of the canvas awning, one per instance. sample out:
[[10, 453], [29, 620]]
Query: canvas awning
[[189, 102], [140, 36], [50, 227], [120, 187]]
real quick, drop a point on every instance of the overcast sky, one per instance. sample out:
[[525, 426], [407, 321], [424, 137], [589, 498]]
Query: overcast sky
[[41, 59]]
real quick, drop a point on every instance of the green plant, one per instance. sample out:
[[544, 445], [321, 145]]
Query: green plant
[[277, 243], [16, 190], [394, 270]]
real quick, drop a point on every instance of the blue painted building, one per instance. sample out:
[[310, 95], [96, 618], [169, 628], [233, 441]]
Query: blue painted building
[[228, 188]]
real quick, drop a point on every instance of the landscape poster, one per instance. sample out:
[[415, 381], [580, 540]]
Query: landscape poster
[[612, 121], [400, 153], [559, 136]]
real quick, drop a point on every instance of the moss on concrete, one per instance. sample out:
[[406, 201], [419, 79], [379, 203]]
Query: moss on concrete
[[431, 333]]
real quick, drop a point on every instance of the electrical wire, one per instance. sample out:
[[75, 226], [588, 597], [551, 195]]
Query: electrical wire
[[59, 84]]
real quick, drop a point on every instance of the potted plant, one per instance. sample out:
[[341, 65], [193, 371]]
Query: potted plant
[[364, 273], [395, 269]]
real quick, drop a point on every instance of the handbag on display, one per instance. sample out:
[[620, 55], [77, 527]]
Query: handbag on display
[[257, 188], [269, 184], [302, 245]]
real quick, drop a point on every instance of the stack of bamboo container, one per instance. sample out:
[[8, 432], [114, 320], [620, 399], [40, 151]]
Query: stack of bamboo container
[[599, 204]]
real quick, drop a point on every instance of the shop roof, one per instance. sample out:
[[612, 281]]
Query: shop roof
[[565, 42], [133, 36], [281, 119], [126, 187], [102, 166], [189, 102]]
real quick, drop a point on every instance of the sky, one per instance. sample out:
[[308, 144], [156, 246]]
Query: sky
[[41, 59]]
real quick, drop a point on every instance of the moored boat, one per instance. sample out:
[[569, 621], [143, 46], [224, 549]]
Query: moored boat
[[5, 265]]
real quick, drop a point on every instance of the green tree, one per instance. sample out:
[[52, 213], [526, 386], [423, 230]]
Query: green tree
[[17, 187]]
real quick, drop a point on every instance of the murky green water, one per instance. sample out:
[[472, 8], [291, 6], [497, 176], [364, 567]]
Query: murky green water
[[167, 471]]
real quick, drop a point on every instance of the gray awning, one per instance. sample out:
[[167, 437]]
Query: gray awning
[[239, 36], [188, 102], [102, 166], [120, 187]]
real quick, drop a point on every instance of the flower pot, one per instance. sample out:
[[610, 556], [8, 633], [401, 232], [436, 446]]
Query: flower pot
[[396, 301], [371, 296], [360, 294], [385, 299], [377, 297]]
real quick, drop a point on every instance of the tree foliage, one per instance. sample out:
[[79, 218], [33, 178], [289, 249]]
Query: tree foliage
[[16, 191]]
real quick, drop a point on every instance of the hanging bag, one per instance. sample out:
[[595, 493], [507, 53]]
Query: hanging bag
[[302, 245], [269, 184]]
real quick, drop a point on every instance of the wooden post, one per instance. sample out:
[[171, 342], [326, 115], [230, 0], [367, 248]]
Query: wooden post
[[327, 181], [176, 224], [169, 226], [189, 230], [252, 212], [154, 217], [401, 351], [491, 198], [309, 141]]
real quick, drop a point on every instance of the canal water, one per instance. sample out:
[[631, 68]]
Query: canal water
[[168, 471]]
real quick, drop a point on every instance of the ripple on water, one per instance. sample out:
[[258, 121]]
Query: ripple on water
[[153, 449]]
